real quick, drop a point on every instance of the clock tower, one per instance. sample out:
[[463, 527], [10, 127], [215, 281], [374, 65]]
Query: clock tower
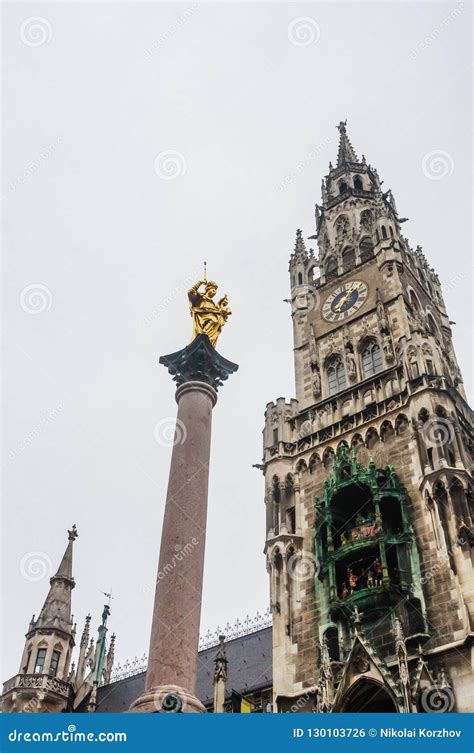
[[368, 471]]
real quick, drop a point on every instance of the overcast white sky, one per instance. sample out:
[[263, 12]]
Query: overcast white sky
[[250, 106]]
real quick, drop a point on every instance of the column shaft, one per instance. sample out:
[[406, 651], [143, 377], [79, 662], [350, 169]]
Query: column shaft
[[172, 658]]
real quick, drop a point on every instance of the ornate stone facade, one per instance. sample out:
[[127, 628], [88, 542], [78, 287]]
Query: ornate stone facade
[[368, 471]]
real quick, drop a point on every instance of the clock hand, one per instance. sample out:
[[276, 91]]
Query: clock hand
[[344, 298]]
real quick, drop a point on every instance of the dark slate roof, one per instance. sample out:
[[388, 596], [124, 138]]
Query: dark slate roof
[[249, 668]]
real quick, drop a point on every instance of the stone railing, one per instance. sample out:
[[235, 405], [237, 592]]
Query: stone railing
[[237, 630], [38, 682]]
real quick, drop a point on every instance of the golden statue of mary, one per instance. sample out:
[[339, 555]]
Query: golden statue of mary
[[208, 315]]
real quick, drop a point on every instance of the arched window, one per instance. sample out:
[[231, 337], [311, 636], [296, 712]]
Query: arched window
[[331, 267], [391, 233], [366, 220], [384, 231], [53, 667], [348, 259], [366, 248], [371, 359], [39, 663], [342, 186], [300, 278], [336, 377], [414, 302], [332, 643], [358, 183]]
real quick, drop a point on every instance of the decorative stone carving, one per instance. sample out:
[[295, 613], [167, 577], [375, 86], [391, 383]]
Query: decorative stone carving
[[388, 348], [351, 366]]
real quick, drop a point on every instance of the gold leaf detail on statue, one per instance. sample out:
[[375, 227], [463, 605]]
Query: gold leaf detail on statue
[[208, 315]]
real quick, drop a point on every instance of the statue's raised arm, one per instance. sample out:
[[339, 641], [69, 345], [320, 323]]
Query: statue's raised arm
[[208, 315]]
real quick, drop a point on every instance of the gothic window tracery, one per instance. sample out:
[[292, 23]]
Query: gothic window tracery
[[336, 376], [366, 220], [372, 361]]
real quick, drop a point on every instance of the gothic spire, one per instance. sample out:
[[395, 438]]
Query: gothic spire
[[300, 247], [56, 611], [346, 151], [220, 676]]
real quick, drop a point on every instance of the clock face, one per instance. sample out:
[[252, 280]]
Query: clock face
[[345, 301]]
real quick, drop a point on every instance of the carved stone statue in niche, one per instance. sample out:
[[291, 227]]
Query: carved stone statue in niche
[[343, 230], [383, 324], [316, 379], [351, 363], [388, 348]]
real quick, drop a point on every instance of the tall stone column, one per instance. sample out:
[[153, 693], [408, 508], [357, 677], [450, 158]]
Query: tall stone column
[[172, 660]]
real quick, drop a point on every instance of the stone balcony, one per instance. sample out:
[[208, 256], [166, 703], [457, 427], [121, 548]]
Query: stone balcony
[[36, 682]]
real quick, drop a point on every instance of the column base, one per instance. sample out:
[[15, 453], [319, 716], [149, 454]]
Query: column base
[[167, 699]]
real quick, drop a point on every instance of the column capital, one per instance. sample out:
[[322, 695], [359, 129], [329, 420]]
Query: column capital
[[199, 362]]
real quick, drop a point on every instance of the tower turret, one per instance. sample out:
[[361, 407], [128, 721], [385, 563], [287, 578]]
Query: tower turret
[[43, 681]]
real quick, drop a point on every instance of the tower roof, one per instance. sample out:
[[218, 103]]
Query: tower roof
[[346, 151], [56, 611]]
